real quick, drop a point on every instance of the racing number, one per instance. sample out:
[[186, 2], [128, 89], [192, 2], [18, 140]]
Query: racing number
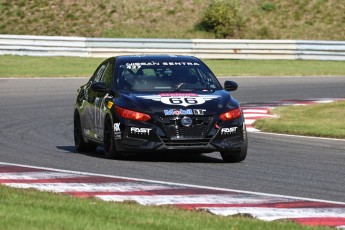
[[191, 100], [179, 100], [175, 101]]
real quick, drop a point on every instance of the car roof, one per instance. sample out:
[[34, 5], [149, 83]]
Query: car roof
[[158, 58]]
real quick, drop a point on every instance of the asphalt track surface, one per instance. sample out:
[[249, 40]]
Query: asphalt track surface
[[36, 128]]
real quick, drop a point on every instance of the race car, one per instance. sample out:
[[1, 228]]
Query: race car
[[158, 103]]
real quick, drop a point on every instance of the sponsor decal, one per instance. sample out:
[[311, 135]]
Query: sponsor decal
[[177, 112], [143, 131], [117, 127], [180, 63], [110, 104], [199, 111], [182, 99], [226, 131], [117, 131]]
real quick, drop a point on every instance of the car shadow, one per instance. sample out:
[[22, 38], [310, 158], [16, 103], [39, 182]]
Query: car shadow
[[177, 157], [71, 149]]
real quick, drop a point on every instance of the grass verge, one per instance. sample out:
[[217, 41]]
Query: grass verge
[[25, 66], [263, 19], [30, 209], [319, 120], [276, 68]]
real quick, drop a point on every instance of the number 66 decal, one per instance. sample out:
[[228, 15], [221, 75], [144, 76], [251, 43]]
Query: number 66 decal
[[181, 100]]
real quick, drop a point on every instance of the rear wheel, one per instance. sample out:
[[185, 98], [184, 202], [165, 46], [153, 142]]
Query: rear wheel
[[79, 142], [109, 142]]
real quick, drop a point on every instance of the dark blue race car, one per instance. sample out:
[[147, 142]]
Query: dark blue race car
[[158, 103]]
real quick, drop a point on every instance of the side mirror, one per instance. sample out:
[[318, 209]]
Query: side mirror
[[99, 87], [230, 85]]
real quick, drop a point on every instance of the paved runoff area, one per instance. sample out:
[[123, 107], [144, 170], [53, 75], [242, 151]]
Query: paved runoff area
[[218, 201]]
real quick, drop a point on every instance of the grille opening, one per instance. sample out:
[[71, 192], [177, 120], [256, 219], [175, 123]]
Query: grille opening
[[199, 128], [191, 142]]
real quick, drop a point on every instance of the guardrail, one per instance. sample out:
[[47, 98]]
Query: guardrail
[[202, 48]]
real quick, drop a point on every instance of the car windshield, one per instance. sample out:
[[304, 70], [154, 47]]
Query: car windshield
[[166, 76]]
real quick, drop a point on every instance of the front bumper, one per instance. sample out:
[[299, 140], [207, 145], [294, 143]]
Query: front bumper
[[223, 140]]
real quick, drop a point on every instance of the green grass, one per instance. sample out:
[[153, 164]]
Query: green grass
[[25, 66], [29, 209], [319, 120], [276, 68]]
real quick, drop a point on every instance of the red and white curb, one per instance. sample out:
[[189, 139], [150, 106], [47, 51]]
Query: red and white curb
[[223, 202], [255, 111]]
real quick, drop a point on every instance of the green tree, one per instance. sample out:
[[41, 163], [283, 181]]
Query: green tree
[[223, 18]]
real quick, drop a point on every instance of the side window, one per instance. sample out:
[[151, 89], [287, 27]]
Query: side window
[[108, 74], [99, 73]]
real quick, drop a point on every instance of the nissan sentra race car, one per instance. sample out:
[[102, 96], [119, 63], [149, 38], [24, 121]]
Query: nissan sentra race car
[[158, 103]]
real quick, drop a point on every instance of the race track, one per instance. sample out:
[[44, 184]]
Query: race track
[[36, 129]]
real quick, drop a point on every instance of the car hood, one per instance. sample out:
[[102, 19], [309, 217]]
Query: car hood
[[178, 103]]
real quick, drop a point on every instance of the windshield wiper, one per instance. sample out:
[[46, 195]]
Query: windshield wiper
[[178, 88]]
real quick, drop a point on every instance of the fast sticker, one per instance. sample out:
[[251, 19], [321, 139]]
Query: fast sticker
[[142, 131], [225, 131]]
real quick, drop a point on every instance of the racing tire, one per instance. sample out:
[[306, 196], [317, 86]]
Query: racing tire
[[110, 151], [79, 142], [237, 156]]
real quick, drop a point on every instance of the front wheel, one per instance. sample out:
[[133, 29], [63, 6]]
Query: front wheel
[[237, 156], [109, 142]]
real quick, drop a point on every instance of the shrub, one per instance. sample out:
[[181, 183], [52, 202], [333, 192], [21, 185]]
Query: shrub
[[268, 6], [223, 18]]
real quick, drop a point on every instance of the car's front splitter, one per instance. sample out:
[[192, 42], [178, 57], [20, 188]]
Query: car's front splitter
[[229, 139]]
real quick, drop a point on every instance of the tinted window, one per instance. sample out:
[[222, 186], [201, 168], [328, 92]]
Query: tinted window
[[99, 72], [108, 74]]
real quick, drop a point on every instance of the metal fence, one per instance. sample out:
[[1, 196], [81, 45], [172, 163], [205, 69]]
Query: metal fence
[[202, 48]]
